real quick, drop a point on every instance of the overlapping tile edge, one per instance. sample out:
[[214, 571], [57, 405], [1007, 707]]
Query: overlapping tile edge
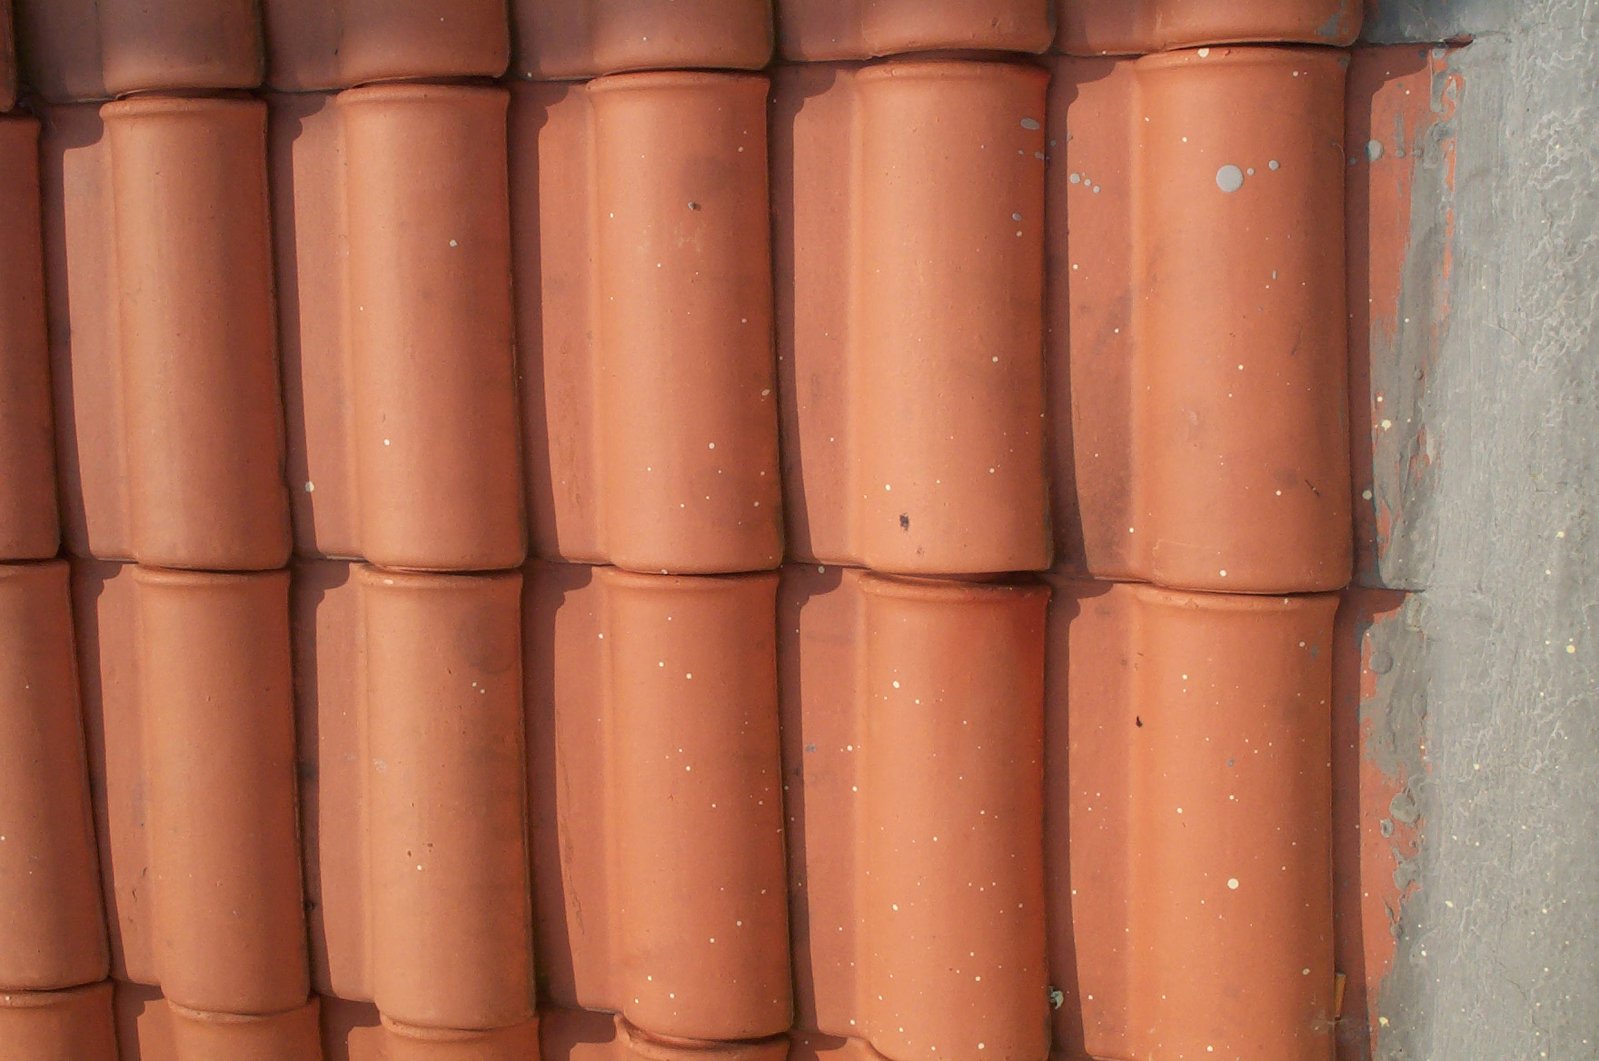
[[187, 552]]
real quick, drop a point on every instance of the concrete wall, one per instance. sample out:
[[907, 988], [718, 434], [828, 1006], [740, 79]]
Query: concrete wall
[[1496, 658]]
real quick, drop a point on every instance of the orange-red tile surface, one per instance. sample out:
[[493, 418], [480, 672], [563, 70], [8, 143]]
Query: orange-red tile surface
[[68, 1025], [162, 345], [911, 369], [28, 526], [413, 817], [860, 29], [1115, 27], [189, 713], [913, 718], [321, 44], [657, 803], [8, 58], [558, 40], [396, 325], [645, 307], [1201, 363], [97, 49], [1189, 822], [582, 542]]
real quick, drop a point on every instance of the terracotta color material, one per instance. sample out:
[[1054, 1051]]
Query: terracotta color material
[[161, 332], [1202, 360], [913, 762], [72, 1025], [86, 366], [105, 614], [28, 527], [8, 59], [397, 325], [645, 321], [909, 207], [1133, 27], [150, 1028], [576, 1035], [318, 44], [187, 698], [1189, 822], [809, 1046], [859, 29], [565, 39], [657, 816], [224, 879], [353, 1031], [52, 930], [95, 49], [409, 691]]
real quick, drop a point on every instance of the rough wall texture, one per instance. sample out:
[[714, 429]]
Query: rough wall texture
[[1495, 653]]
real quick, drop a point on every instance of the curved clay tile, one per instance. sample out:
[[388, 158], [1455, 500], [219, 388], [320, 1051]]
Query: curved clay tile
[[1204, 361], [396, 318], [644, 302], [50, 914], [8, 59], [578, 1035], [567, 39], [203, 417], [657, 811], [85, 359], [28, 525], [271, 1037], [1190, 822], [913, 721], [445, 799], [1133, 27], [909, 251], [227, 929], [809, 30], [353, 1031], [58, 1025], [186, 699], [430, 334], [409, 697], [95, 49], [321, 44]]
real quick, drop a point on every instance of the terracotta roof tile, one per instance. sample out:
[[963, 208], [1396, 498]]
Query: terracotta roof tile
[[554, 561], [58, 1025], [1188, 807], [911, 371], [645, 308], [655, 785], [8, 58], [574, 1035], [568, 39], [318, 44], [96, 49], [914, 785], [1202, 361], [50, 916], [1132, 27], [28, 526], [860, 29], [396, 321], [195, 807], [413, 809], [164, 362]]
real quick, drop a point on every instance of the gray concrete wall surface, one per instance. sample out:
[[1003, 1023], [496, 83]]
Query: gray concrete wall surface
[[1499, 947]]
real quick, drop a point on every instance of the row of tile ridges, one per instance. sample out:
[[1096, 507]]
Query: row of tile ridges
[[97, 49], [564, 336], [895, 810]]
